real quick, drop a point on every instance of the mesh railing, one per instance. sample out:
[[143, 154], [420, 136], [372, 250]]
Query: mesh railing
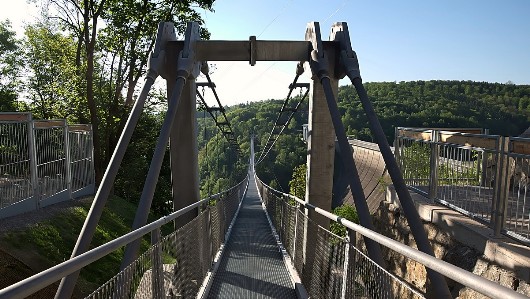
[[517, 219], [478, 175], [15, 162], [42, 162], [50, 142], [81, 159], [176, 266], [334, 267]]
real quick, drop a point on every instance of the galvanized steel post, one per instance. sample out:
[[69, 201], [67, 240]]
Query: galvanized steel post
[[433, 163], [502, 183], [157, 271], [33, 161], [68, 160]]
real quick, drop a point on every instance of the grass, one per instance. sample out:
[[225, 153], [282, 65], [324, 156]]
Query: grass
[[51, 242]]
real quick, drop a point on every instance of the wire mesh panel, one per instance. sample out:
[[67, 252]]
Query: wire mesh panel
[[81, 159], [133, 282], [324, 264], [333, 267], [474, 174], [15, 161], [35, 162], [288, 227], [50, 145], [185, 256], [518, 203], [366, 279], [216, 227], [466, 179], [184, 246], [413, 158], [176, 266]]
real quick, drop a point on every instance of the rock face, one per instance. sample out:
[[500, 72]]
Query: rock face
[[389, 221]]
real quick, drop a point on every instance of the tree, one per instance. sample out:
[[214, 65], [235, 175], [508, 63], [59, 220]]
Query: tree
[[298, 182], [346, 211], [112, 58], [52, 79], [9, 67]]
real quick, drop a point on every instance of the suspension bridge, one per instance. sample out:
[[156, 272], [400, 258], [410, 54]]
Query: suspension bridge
[[252, 241]]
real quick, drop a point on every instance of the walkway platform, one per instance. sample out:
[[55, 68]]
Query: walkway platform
[[252, 265]]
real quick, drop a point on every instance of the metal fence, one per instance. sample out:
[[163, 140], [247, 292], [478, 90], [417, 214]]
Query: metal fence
[[337, 269], [340, 270], [42, 162], [176, 265], [482, 176]]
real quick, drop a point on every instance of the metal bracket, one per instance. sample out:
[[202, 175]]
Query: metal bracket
[[317, 60], [253, 50], [348, 63], [300, 85], [186, 63], [156, 63], [207, 84]]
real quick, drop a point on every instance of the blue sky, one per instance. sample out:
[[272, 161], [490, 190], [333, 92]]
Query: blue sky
[[394, 40]]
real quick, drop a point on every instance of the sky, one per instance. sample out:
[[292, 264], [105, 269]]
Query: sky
[[478, 40]]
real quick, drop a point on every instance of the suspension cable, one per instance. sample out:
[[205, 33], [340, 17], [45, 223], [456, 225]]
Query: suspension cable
[[223, 124], [278, 127]]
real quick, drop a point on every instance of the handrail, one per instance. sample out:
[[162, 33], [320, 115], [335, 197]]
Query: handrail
[[477, 283], [40, 280]]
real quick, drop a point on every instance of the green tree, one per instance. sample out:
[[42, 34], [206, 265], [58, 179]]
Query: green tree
[[347, 212], [52, 80], [10, 63], [112, 59], [297, 184]]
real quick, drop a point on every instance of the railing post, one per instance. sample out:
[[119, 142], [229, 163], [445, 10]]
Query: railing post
[[434, 161], [346, 263], [296, 211], [157, 273], [502, 186], [33, 161], [397, 145], [484, 165], [68, 160]]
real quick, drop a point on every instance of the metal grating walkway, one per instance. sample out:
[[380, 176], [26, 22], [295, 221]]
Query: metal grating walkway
[[252, 265]]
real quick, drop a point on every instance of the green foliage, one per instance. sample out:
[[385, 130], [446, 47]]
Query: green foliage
[[347, 212], [10, 66], [289, 150], [220, 167], [416, 159], [131, 176], [298, 182], [503, 108], [52, 82]]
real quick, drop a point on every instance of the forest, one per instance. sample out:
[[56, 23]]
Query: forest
[[67, 66]]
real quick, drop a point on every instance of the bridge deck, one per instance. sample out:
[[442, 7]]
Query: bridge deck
[[252, 265]]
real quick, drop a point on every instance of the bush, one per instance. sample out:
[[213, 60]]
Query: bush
[[347, 212]]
